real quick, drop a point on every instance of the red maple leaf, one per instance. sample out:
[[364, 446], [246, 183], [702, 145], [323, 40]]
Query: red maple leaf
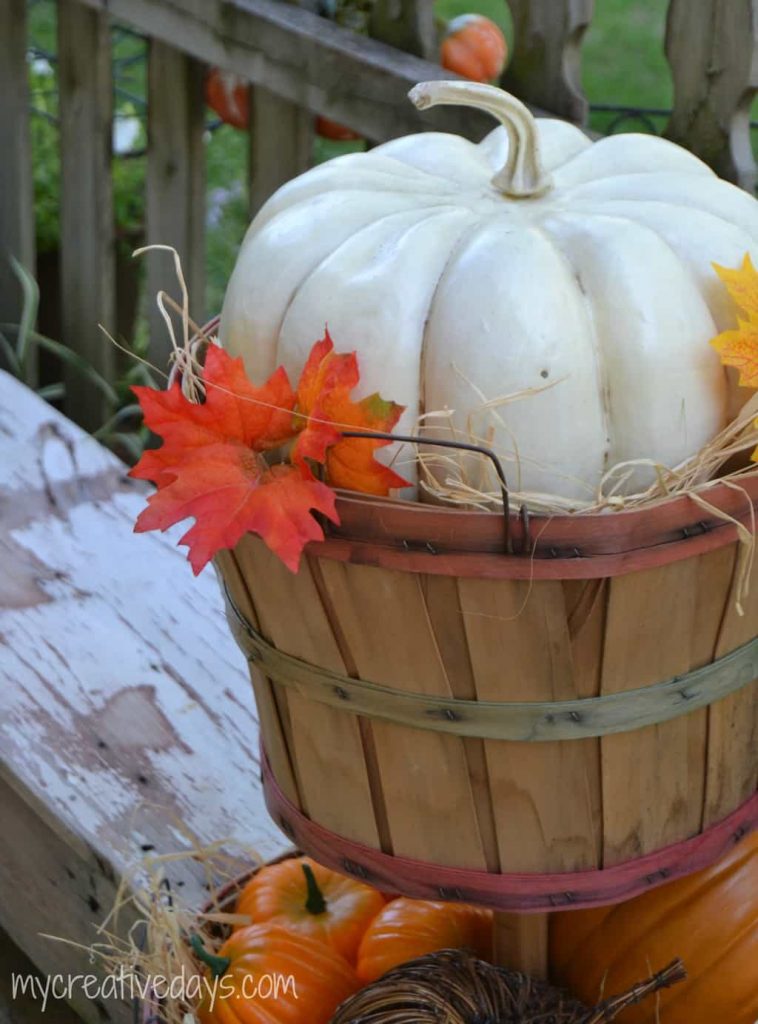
[[323, 396], [211, 466]]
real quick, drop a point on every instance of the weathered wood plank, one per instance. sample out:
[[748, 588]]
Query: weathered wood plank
[[712, 47], [87, 234], [546, 64], [281, 143], [406, 24], [16, 192], [175, 185], [17, 1007], [126, 717], [305, 59]]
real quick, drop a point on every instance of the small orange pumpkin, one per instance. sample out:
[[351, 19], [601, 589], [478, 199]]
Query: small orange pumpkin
[[473, 46], [710, 920], [336, 132], [265, 974], [305, 897], [406, 929], [228, 96]]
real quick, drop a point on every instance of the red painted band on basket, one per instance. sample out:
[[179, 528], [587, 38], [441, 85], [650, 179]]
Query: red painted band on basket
[[523, 893]]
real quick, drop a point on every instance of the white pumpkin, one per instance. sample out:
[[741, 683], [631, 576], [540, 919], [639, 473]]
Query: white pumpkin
[[586, 266]]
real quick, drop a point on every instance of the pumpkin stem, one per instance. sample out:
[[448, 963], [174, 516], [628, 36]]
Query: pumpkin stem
[[219, 965], [523, 176], [315, 902]]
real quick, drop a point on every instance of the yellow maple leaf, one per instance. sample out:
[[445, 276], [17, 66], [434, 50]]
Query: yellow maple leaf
[[739, 347]]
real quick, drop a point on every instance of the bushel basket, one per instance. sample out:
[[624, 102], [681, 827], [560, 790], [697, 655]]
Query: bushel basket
[[527, 715]]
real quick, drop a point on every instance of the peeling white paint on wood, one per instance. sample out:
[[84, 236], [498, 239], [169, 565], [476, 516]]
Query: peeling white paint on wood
[[126, 713]]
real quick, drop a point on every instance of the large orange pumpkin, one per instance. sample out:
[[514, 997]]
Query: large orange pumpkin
[[474, 47], [265, 974], [710, 920], [305, 897], [405, 929]]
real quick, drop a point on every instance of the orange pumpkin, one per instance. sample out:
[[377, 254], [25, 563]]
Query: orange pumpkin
[[710, 920], [406, 929], [265, 974], [305, 897], [336, 132], [474, 47], [228, 96]]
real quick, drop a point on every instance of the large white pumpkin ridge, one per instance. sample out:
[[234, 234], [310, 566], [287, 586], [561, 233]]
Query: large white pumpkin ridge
[[582, 265]]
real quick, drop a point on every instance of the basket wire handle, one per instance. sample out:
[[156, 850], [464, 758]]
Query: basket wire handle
[[461, 446]]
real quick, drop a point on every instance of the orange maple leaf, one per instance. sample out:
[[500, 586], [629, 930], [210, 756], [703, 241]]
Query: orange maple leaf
[[739, 347], [211, 466], [323, 396]]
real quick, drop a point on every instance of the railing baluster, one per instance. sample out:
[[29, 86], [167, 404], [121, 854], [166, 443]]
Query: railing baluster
[[87, 235], [546, 65], [281, 142], [407, 25], [175, 185], [712, 48], [16, 192]]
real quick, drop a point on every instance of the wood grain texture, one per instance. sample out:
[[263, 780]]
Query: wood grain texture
[[424, 776], [26, 1008], [647, 776], [269, 713], [303, 58], [545, 68], [325, 745], [732, 769], [544, 795], [125, 711], [16, 192], [175, 199], [711, 47], [86, 205], [281, 143], [521, 942]]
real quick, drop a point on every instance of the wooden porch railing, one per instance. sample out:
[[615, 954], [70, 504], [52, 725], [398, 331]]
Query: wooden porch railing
[[299, 65]]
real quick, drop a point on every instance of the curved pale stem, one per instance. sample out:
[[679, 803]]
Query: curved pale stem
[[523, 175]]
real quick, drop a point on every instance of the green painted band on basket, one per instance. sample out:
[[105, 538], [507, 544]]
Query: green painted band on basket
[[530, 721]]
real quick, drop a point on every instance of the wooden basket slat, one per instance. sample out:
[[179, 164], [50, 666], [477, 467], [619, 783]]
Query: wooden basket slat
[[326, 744], [424, 776], [732, 755], [646, 773], [446, 619], [277, 744], [520, 648]]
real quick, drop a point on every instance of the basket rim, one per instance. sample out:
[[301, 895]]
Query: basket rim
[[418, 537]]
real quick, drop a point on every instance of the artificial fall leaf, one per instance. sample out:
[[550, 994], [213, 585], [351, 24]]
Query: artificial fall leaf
[[739, 347], [323, 396], [210, 465]]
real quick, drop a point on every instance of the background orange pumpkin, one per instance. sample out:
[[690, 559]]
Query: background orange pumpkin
[[250, 961], [473, 46], [336, 132], [710, 920], [406, 929], [228, 96], [305, 897]]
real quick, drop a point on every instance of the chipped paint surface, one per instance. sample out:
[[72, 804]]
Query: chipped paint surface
[[126, 714]]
